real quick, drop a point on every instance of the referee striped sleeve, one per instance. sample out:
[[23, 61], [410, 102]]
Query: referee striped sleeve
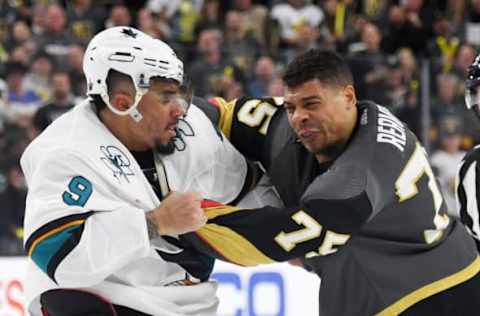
[[468, 194]]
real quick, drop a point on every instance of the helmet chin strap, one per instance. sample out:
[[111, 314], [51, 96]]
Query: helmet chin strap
[[132, 111]]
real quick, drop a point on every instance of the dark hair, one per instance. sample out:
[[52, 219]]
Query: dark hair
[[42, 54], [113, 78], [58, 71], [13, 67], [324, 65]]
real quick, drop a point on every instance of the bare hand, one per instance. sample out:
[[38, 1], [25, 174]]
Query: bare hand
[[297, 262], [178, 213]]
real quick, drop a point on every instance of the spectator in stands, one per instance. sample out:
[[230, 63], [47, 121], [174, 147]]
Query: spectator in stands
[[456, 11], [84, 19], [12, 208], [298, 21], [445, 158], [396, 89], [472, 24], [371, 39], [75, 63], [3, 104], [242, 48], [166, 7], [15, 140], [211, 73], [309, 37], [410, 112], [410, 68], [38, 79], [22, 103], [149, 25], [257, 17], [179, 20], [62, 101], [444, 46], [119, 15], [56, 39], [339, 18], [231, 84], [449, 103], [21, 55], [408, 27], [8, 14], [463, 59], [265, 73], [20, 34], [39, 18], [210, 16], [375, 11], [352, 38], [368, 65], [276, 88]]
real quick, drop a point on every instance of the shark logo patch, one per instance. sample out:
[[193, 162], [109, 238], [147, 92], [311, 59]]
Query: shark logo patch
[[117, 162]]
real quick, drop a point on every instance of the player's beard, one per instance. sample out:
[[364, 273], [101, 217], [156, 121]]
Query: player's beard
[[166, 149]]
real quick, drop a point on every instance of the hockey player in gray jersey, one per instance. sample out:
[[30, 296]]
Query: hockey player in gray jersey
[[362, 207], [468, 181]]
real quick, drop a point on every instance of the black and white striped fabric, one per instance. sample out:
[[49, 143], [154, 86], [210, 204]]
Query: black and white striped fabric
[[468, 193]]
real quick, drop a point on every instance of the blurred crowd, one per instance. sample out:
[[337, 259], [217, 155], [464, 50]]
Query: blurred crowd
[[240, 47]]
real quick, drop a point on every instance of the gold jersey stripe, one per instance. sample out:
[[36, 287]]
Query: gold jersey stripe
[[52, 232], [433, 288], [232, 246], [215, 211], [226, 115]]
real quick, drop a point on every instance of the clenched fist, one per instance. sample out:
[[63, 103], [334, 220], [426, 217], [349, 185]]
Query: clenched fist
[[178, 213]]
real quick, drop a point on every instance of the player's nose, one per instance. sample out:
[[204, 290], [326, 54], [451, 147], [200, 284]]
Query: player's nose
[[298, 117], [177, 109]]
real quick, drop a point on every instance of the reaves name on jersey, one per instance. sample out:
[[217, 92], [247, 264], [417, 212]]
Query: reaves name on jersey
[[390, 129]]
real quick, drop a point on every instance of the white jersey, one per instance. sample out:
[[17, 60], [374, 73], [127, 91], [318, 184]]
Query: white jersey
[[291, 19], [85, 223]]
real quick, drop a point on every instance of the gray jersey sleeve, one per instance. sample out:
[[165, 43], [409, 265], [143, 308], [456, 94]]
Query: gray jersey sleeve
[[339, 198]]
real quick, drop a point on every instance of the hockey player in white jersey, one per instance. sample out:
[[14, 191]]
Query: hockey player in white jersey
[[96, 177]]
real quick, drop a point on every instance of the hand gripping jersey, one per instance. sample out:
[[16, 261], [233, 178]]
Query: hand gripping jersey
[[467, 190], [85, 226], [372, 223]]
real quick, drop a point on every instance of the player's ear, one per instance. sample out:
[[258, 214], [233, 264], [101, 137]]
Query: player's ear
[[121, 100], [349, 93]]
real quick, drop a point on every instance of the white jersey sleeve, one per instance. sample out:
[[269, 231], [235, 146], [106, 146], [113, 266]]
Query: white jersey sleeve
[[75, 231]]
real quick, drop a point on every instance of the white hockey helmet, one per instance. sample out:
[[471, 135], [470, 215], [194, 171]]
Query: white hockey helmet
[[133, 53]]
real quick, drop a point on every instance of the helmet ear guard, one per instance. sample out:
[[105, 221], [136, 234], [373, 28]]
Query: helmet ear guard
[[133, 53]]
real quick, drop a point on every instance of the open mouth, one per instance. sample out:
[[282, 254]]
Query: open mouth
[[306, 134], [171, 129]]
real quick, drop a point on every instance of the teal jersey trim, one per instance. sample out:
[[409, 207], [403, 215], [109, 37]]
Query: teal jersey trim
[[46, 249]]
